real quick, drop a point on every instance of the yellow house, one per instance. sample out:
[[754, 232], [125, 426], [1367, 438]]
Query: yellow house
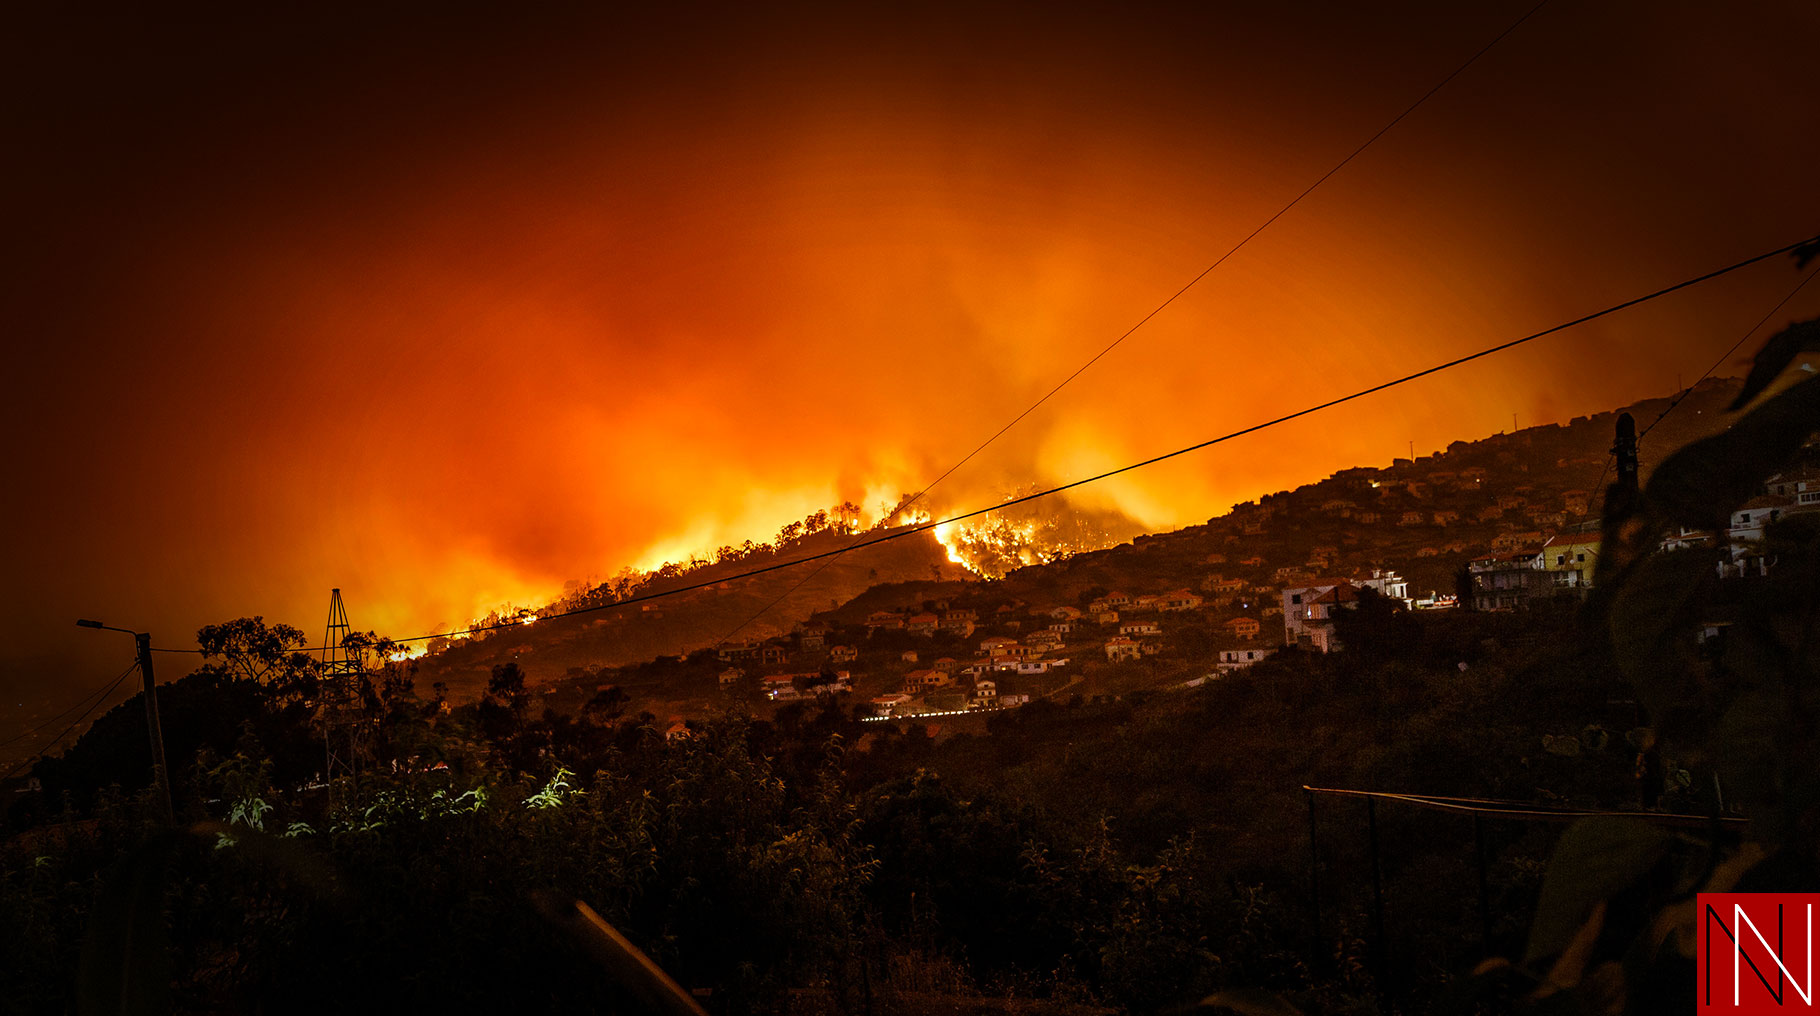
[[1570, 558]]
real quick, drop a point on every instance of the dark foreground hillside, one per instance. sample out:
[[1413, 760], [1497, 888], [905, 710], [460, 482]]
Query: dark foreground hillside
[[1133, 855]]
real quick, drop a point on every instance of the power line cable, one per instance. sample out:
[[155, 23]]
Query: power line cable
[[27, 732], [1222, 259], [1742, 339], [1013, 502], [1685, 392], [1610, 457], [73, 724], [786, 594]]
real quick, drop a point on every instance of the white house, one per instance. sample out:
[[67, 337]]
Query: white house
[[1122, 648], [891, 705], [1748, 521], [1308, 614], [1239, 659]]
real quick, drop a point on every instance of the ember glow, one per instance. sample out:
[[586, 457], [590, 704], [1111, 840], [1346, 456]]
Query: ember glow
[[449, 313], [1029, 534], [998, 546]]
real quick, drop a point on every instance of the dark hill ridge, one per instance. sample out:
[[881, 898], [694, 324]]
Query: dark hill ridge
[[1423, 518]]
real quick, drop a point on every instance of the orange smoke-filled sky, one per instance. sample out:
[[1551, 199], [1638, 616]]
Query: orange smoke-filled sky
[[446, 309]]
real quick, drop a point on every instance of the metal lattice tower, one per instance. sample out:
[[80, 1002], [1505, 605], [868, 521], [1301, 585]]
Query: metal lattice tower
[[339, 709]]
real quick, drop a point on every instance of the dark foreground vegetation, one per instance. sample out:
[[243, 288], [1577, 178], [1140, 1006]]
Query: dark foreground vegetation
[[1138, 854]]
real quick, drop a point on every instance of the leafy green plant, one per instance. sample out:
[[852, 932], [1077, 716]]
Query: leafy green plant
[[551, 796]]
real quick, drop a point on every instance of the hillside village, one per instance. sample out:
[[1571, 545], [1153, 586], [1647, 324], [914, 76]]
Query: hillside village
[[1500, 522]]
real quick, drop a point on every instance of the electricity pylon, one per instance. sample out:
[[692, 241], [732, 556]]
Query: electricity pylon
[[339, 709]]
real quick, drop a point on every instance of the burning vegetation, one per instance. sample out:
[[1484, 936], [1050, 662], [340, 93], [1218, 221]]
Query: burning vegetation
[[1033, 533]]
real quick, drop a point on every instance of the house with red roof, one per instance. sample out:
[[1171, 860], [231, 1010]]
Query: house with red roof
[[1512, 541], [1244, 627], [922, 680], [890, 620], [1794, 483], [1179, 600]]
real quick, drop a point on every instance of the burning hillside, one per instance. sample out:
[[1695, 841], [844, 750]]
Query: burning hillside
[[1035, 533]]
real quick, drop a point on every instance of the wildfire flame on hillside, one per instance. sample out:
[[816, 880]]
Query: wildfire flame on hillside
[[994, 545]]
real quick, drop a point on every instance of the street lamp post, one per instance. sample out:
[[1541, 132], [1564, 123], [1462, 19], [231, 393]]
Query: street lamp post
[[142, 642]]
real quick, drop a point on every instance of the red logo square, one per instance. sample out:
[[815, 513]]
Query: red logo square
[[1756, 953]]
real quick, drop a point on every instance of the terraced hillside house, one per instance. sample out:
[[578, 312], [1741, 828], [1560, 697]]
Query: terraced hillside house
[[1308, 614]]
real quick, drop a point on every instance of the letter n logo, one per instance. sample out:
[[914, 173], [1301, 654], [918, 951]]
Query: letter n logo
[[1756, 953]]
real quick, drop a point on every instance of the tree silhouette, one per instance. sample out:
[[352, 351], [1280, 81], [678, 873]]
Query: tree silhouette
[[249, 649]]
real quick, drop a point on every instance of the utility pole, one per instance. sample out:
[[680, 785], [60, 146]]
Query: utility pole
[[1625, 450], [160, 774], [1620, 497], [142, 642]]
